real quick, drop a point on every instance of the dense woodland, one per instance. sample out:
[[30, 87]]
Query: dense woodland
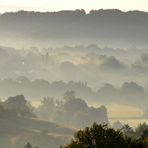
[[112, 27]]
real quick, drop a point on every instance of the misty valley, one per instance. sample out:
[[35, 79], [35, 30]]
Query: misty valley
[[74, 77]]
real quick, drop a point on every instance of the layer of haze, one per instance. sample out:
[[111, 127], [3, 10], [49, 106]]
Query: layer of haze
[[56, 5], [65, 70]]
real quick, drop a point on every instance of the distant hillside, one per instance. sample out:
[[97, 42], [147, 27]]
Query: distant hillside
[[19, 131], [107, 27]]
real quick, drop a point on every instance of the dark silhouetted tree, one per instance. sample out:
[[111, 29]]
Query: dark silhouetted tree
[[100, 136]]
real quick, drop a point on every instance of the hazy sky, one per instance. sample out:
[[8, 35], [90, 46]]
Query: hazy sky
[[54, 5]]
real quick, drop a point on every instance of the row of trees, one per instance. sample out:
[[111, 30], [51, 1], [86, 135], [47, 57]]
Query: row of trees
[[71, 111]]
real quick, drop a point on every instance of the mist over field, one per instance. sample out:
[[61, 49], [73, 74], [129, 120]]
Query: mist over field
[[63, 71]]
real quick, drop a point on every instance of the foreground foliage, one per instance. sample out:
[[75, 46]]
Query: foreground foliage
[[100, 136]]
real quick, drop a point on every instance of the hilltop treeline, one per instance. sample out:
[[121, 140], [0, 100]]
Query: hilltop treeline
[[108, 93], [104, 26]]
